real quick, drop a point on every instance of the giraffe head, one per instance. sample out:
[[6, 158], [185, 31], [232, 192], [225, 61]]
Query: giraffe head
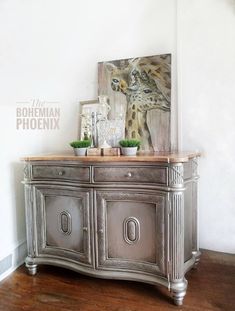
[[119, 78], [140, 84], [146, 84]]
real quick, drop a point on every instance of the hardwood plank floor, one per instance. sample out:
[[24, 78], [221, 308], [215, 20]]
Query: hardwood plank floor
[[211, 287]]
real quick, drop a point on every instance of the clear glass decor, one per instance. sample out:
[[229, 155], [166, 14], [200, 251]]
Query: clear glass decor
[[111, 132], [100, 124]]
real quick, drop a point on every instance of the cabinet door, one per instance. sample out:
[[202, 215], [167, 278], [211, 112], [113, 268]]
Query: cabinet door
[[130, 231], [63, 222]]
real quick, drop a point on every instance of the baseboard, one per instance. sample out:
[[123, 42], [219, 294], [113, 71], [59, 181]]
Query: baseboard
[[13, 260]]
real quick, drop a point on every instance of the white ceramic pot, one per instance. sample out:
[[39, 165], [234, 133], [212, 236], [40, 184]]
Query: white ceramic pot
[[80, 151], [129, 151]]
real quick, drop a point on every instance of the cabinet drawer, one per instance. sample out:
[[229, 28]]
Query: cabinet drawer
[[61, 172], [140, 174]]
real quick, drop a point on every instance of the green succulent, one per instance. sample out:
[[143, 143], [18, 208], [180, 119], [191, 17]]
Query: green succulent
[[129, 143], [80, 143]]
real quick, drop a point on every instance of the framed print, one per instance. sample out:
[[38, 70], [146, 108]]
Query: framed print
[[87, 109]]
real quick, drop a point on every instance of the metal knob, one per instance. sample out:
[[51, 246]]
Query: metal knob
[[101, 231], [85, 229], [128, 174], [61, 173]]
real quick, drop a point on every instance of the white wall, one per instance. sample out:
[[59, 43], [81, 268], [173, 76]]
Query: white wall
[[206, 82], [49, 51]]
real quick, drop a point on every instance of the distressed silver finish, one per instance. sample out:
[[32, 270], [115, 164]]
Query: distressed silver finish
[[176, 175], [133, 221], [176, 248], [61, 172], [131, 174], [112, 208], [32, 267]]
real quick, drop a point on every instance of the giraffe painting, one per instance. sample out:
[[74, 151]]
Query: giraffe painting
[[145, 83]]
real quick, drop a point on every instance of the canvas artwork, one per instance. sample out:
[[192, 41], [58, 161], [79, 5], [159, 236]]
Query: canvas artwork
[[139, 92]]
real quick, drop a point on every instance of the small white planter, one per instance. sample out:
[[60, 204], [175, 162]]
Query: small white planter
[[80, 151], [129, 151]]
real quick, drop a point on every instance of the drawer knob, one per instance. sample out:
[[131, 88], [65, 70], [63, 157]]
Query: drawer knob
[[85, 229], [61, 173], [128, 174]]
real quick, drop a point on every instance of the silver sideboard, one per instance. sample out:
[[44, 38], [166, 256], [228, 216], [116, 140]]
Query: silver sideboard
[[115, 218]]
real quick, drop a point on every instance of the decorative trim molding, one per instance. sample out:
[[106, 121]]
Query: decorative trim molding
[[27, 171], [176, 175], [176, 237]]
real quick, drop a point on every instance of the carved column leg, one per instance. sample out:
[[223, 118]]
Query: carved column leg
[[178, 284]]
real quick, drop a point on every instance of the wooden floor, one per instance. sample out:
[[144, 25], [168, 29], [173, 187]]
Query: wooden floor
[[211, 287]]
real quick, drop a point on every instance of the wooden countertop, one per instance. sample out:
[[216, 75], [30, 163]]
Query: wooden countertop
[[167, 157]]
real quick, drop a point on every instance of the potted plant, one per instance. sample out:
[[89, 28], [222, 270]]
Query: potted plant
[[129, 146], [80, 147]]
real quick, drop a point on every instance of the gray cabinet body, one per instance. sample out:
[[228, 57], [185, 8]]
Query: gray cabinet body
[[131, 220]]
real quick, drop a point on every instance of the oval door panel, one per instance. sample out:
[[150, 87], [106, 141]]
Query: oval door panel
[[65, 222], [131, 230]]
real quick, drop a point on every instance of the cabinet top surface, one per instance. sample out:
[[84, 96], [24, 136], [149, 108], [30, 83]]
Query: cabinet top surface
[[167, 157]]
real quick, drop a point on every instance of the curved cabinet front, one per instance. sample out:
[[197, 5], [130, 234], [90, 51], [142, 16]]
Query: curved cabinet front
[[63, 217], [124, 221]]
